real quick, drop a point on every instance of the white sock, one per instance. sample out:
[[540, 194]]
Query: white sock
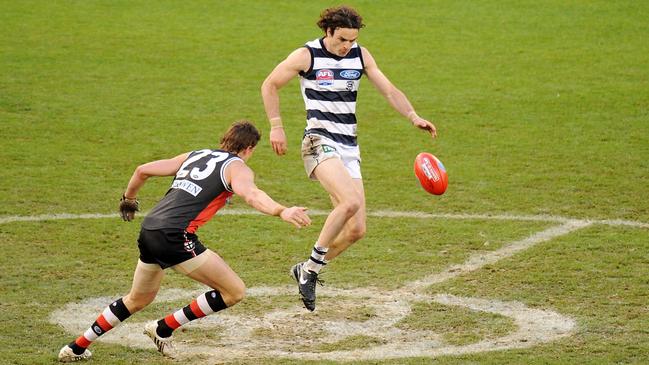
[[317, 259]]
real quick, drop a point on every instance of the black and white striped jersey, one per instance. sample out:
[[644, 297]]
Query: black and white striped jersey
[[197, 192], [329, 89]]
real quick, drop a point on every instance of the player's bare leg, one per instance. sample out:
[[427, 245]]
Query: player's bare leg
[[218, 275], [354, 229], [146, 283], [145, 286], [210, 269], [335, 179]]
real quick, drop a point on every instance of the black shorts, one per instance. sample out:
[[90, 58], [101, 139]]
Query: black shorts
[[168, 247]]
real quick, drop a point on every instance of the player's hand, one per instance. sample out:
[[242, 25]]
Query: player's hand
[[128, 207], [422, 123], [278, 140], [296, 216]]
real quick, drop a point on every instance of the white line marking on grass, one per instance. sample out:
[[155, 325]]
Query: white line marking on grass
[[377, 214], [423, 215], [53, 217], [278, 331], [478, 261], [619, 222]]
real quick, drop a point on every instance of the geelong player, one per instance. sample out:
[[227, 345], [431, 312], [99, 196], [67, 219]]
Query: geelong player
[[330, 69], [204, 179]]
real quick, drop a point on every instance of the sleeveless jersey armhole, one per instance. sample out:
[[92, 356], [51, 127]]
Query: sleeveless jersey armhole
[[222, 172], [360, 55], [304, 73]]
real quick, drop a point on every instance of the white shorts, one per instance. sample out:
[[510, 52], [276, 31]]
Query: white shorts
[[316, 149]]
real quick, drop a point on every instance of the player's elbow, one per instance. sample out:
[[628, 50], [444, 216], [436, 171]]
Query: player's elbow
[[267, 84], [141, 172], [268, 87]]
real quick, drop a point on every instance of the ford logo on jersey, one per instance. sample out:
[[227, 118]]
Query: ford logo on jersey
[[350, 74], [324, 77]]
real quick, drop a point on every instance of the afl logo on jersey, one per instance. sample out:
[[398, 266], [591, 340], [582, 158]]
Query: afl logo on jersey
[[350, 74], [324, 77]]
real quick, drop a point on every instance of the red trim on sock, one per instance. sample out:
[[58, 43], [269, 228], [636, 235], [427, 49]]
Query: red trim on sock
[[103, 323], [170, 320], [196, 309], [82, 341]]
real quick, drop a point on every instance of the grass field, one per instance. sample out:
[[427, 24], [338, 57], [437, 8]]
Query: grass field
[[542, 111]]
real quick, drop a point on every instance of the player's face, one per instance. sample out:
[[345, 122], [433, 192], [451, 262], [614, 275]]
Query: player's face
[[341, 40]]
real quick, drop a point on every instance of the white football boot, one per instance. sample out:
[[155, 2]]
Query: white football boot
[[164, 344], [67, 355]]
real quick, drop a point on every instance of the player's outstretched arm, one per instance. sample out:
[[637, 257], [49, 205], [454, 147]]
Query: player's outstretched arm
[[298, 60], [129, 203], [394, 96], [241, 180]]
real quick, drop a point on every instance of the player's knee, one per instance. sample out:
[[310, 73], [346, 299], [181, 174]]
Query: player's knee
[[234, 294], [238, 296], [350, 206], [356, 233], [137, 301]]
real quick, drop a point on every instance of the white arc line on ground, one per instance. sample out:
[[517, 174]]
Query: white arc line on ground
[[282, 329]]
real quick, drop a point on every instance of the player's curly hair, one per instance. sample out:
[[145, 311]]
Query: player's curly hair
[[241, 135], [340, 17]]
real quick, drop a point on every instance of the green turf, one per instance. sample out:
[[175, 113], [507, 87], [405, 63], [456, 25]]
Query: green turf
[[603, 283], [458, 326], [541, 108]]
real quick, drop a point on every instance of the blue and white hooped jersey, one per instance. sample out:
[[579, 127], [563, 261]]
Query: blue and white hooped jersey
[[329, 90]]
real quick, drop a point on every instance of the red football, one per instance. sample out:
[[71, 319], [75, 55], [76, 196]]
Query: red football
[[431, 173]]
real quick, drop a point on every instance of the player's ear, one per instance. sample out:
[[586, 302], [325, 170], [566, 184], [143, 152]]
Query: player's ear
[[248, 151]]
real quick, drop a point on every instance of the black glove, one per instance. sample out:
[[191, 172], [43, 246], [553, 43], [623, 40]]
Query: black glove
[[128, 207]]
